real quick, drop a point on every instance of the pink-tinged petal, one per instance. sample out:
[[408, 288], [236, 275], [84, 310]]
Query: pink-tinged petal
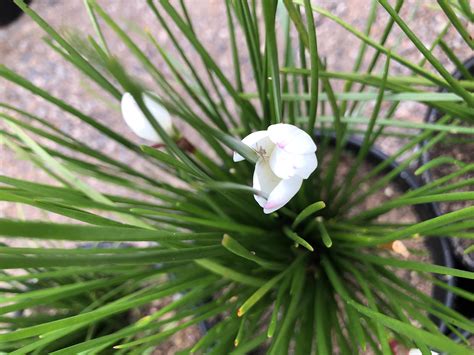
[[264, 180], [260, 200], [258, 141], [291, 139], [286, 165], [305, 164], [137, 121], [282, 194], [281, 163]]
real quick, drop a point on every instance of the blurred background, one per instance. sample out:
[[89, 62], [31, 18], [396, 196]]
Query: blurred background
[[22, 49]]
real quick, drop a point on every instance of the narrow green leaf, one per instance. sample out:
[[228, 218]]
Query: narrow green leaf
[[366, 142], [271, 53], [71, 178], [231, 186], [17, 79], [240, 333], [214, 223], [354, 325], [394, 82], [399, 202], [96, 26], [297, 239], [55, 231], [320, 319], [207, 59], [140, 258], [235, 53], [314, 57], [415, 265], [229, 273], [93, 316], [308, 211], [371, 42], [274, 321], [424, 227], [167, 159], [257, 296], [438, 341], [438, 161], [282, 339], [88, 68], [324, 233], [460, 27], [264, 289], [429, 97], [238, 249], [428, 55], [469, 250], [456, 61]]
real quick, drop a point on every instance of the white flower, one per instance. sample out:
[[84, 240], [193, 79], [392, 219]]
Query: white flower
[[138, 122], [286, 157]]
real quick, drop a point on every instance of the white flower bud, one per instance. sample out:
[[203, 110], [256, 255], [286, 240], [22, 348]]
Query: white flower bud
[[138, 122]]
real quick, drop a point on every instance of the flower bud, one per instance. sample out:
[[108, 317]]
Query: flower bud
[[137, 121]]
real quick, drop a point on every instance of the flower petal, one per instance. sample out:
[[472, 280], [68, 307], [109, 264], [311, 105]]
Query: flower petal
[[281, 163], [282, 194], [291, 138], [264, 180], [138, 122], [257, 141], [418, 352], [305, 165], [286, 165]]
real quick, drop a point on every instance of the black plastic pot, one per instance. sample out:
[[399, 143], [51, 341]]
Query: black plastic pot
[[9, 12], [432, 116]]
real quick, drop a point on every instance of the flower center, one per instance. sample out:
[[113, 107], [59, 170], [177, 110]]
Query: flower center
[[262, 152]]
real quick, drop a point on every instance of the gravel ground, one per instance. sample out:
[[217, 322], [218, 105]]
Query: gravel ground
[[23, 50]]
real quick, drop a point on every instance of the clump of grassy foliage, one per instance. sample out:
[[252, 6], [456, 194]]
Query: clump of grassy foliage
[[314, 276]]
